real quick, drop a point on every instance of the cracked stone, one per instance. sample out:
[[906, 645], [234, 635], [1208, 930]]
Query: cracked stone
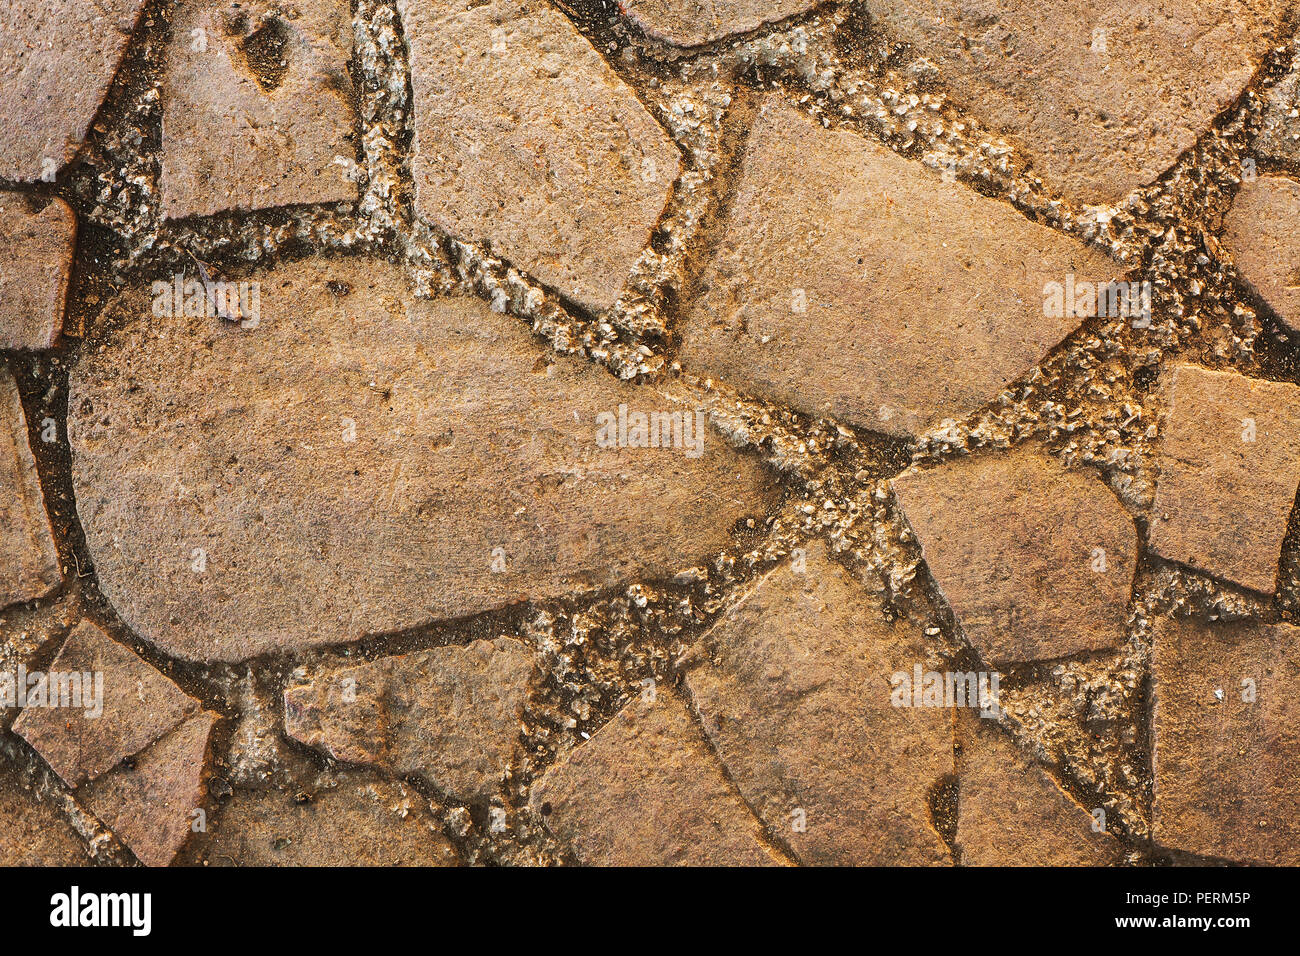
[[797, 701], [693, 22], [1279, 135], [29, 560], [1229, 466], [1035, 560], [450, 714], [359, 823], [527, 139], [1010, 812], [32, 833], [257, 107], [36, 247], [1225, 740], [365, 462], [56, 65], [140, 705], [646, 791], [872, 291], [1260, 232], [1099, 114], [151, 802]]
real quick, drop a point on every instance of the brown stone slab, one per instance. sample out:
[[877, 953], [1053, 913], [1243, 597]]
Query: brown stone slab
[[525, 138], [1010, 812], [1097, 124], [1225, 766], [29, 560], [32, 833], [257, 104], [139, 706], [797, 700], [872, 291], [1262, 231], [56, 64], [646, 791], [450, 714], [36, 248], [1035, 560], [1229, 464], [367, 462]]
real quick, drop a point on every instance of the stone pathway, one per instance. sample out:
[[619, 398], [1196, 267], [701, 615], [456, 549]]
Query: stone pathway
[[749, 432]]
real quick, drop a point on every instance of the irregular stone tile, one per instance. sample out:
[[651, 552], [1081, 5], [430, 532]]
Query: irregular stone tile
[[359, 464], [29, 560], [646, 791], [1035, 560], [872, 291], [1010, 812], [692, 22], [366, 823], [32, 833], [36, 248], [255, 114], [1279, 135], [56, 64], [797, 702], [150, 803], [140, 705], [525, 138], [1096, 124], [1229, 465], [1224, 766], [450, 714], [1260, 232]]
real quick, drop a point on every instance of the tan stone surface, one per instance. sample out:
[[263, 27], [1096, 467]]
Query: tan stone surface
[[1225, 768], [1279, 135], [150, 804], [1222, 502], [1010, 812], [257, 116], [56, 64], [1096, 125], [450, 714], [526, 138], [196, 435], [36, 248], [1262, 232], [32, 833], [29, 560], [692, 22], [362, 822], [796, 699], [646, 791], [1011, 540], [922, 299], [140, 705]]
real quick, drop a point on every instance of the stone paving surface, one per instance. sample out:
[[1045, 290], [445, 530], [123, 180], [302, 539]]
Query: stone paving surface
[[561, 431]]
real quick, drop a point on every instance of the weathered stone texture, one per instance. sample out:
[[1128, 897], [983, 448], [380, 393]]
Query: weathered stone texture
[[646, 791], [1097, 124], [1225, 766], [1229, 466], [872, 291], [32, 833], [256, 114], [450, 714], [1010, 812], [1262, 231], [36, 247], [56, 64], [1279, 135], [692, 22], [524, 137], [361, 462], [361, 822], [796, 699], [29, 560], [1035, 560]]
